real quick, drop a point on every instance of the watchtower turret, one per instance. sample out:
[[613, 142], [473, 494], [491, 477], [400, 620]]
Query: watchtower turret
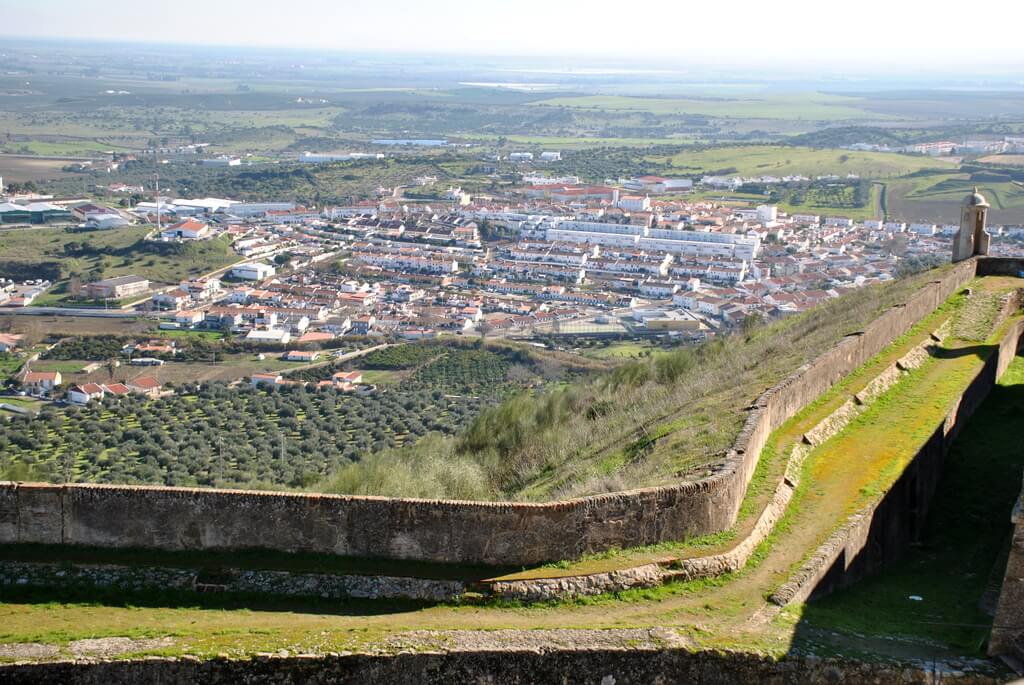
[[972, 238]]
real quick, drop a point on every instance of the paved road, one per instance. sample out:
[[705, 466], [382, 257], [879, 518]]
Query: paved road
[[115, 313]]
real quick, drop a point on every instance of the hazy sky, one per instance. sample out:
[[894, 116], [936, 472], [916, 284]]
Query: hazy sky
[[901, 34]]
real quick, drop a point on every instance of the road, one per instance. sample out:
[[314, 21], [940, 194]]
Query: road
[[115, 313]]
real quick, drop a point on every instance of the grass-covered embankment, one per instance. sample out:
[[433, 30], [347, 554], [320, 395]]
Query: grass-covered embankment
[[656, 419], [966, 532]]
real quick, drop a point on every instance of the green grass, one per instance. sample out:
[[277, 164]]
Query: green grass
[[65, 367], [954, 187], [770, 466], [627, 349], [810, 106], [76, 148], [715, 613], [39, 244], [9, 364], [109, 253], [381, 376], [772, 160], [936, 197], [22, 402], [965, 533]]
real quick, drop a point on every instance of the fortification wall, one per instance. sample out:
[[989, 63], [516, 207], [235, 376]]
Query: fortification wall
[[505, 666], [1008, 627], [446, 531], [882, 531]]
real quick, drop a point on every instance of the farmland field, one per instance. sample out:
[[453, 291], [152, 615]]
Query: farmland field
[[1010, 160], [814, 106], [779, 160], [937, 198], [22, 168]]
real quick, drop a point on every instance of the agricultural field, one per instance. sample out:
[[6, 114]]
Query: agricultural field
[[772, 160], [444, 386], [226, 368], [1006, 160], [22, 168], [293, 437], [202, 356], [936, 197], [452, 367], [619, 351], [44, 327], [813, 106]]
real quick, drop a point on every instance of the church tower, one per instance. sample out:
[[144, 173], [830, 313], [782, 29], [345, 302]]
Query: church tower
[[972, 239]]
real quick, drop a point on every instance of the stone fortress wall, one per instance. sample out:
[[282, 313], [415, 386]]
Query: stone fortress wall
[[1008, 627], [501, 666], [453, 531]]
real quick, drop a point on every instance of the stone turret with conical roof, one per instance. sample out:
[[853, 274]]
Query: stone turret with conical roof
[[972, 238]]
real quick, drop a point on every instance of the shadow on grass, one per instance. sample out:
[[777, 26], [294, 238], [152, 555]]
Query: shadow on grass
[[249, 559], [180, 599], [944, 555], [981, 351]]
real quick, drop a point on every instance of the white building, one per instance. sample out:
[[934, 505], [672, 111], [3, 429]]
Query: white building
[[201, 205], [223, 160], [253, 271], [105, 221], [696, 243], [767, 214], [189, 229], [520, 157], [550, 156], [839, 221], [270, 335], [677, 184], [324, 157], [634, 203]]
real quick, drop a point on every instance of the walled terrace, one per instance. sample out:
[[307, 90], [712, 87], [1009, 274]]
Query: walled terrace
[[843, 486], [514, 534]]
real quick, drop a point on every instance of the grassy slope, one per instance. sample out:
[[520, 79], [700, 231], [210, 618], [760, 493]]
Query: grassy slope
[[966, 531], [688, 423], [40, 245], [770, 160], [936, 198], [770, 468], [726, 612]]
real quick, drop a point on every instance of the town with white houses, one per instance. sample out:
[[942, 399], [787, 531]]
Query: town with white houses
[[630, 257]]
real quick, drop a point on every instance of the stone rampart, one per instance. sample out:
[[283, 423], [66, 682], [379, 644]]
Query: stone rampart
[[1008, 627], [505, 666], [447, 531], [883, 530]]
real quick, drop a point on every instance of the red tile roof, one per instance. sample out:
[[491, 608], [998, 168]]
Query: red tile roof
[[145, 383]]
